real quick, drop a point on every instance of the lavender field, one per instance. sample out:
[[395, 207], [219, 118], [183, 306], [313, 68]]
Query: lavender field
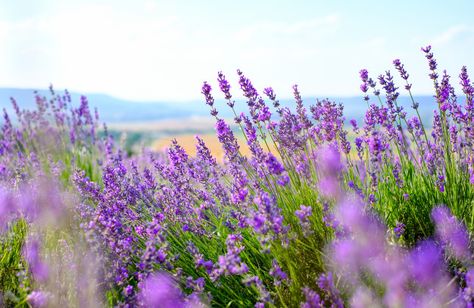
[[321, 212]]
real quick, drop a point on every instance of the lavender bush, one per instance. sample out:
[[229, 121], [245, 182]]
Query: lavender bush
[[324, 212]]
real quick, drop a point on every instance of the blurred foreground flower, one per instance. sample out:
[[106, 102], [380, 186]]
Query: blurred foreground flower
[[160, 291]]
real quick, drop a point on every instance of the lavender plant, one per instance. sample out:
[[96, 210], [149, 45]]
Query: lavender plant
[[322, 213], [38, 152]]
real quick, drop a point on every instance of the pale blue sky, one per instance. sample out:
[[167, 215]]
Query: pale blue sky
[[150, 49]]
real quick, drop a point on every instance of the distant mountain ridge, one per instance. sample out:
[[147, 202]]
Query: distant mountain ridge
[[111, 109], [115, 110]]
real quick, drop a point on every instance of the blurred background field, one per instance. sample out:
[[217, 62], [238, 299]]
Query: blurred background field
[[153, 124]]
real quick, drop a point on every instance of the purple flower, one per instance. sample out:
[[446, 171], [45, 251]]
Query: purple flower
[[227, 139], [277, 273], [258, 222], [38, 268], [465, 82], [329, 166], [37, 299], [371, 199], [269, 92], [224, 86], [284, 179], [330, 160], [468, 292], [128, 291], [247, 88], [426, 264], [196, 285], [331, 294], [366, 82], [206, 91], [358, 142], [199, 260], [303, 214], [271, 95], [399, 229], [300, 109], [159, 290], [444, 93], [426, 49], [440, 183], [364, 75], [400, 68], [268, 217], [431, 62], [312, 299], [451, 232], [264, 114], [396, 174], [289, 131], [354, 125], [230, 263], [264, 295], [273, 165], [389, 87]]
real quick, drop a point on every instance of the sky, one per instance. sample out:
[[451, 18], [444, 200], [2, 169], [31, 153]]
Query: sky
[[163, 50]]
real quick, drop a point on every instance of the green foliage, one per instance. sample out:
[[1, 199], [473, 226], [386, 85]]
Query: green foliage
[[13, 278]]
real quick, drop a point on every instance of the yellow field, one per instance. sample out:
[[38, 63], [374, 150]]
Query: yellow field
[[188, 142]]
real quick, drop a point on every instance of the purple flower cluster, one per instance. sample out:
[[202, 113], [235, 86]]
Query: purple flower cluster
[[159, 290], [452, 233], [230, 263], [304, 214], [366, 261], [309, 215], [329, 295], [38, 152]]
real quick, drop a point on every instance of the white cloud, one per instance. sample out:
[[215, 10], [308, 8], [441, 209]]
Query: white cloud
[[96, 48], [450, 34], [312, 24], [273, 29], [93, 47]]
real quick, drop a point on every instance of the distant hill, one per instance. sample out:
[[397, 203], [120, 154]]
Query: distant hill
[[111, 109], [115, 110]]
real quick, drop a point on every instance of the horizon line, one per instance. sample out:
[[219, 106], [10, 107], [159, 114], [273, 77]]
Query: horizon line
[[161, 100]]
